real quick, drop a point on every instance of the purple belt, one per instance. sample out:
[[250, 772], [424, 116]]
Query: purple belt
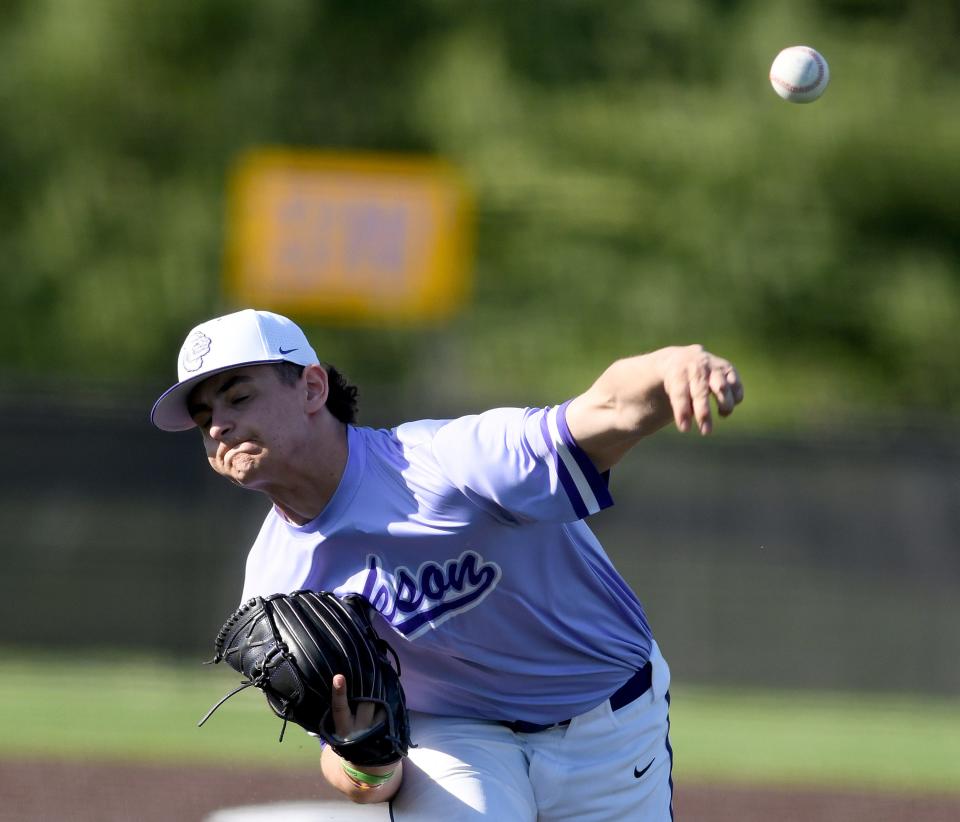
[[634, 687]]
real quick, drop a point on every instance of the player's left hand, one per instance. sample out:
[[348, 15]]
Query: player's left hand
[[345, 721], [316, 656]]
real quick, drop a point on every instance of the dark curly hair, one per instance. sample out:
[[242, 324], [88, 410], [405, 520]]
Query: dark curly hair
[[342, 399]]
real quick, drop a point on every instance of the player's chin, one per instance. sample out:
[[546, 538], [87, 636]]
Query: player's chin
[[239, 471], [243, 469]]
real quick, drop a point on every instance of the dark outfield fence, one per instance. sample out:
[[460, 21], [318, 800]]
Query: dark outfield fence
[[831, 561]]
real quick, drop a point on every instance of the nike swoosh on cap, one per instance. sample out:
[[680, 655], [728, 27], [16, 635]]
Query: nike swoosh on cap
[[288, 351]]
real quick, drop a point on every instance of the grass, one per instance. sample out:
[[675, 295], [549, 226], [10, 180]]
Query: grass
[[878, 742], [142, 709], [147, 710]]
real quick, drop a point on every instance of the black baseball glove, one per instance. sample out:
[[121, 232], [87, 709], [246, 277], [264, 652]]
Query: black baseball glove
[[290, 646]]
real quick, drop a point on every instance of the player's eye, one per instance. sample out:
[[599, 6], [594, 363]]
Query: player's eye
[[240, 400]]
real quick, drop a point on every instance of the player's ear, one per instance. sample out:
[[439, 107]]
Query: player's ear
[[316, 384]]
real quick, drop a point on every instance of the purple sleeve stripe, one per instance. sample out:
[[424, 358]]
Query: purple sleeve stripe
[[569, 486], [581, 507], [598, 482]]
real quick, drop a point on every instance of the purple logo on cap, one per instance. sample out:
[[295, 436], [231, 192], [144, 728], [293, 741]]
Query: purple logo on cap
[[194, 349]]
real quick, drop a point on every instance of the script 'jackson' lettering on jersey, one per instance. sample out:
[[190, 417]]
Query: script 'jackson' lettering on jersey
[[413, 602]]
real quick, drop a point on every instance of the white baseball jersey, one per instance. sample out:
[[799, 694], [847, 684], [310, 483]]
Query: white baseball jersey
[[467, 537]]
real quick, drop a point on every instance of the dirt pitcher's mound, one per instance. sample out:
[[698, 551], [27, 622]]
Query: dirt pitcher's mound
[[41, 791]]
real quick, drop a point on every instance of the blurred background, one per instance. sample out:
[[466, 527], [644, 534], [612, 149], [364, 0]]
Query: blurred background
[[633, 182]]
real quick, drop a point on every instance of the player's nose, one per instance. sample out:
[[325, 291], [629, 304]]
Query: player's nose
[[221, 427]]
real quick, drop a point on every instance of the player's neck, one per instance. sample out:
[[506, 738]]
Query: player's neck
[[309, 485]]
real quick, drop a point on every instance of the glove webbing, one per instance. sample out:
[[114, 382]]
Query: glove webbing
[[260, 672]]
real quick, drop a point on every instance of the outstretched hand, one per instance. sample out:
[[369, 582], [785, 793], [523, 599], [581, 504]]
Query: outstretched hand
[[637, 396], [691, 376]]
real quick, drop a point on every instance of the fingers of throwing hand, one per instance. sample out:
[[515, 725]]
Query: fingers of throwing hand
[[695, 377], [726, 387], [699, 380], [678, 390]]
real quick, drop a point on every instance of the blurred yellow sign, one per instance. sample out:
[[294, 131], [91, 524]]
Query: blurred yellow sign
[[349, 236]]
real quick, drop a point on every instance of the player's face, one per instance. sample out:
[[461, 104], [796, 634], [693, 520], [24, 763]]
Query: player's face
[[250, 423]]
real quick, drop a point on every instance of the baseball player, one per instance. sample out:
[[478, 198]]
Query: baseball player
[[535, 687]]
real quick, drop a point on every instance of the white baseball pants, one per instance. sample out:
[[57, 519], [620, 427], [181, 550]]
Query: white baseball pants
[[604, 766]]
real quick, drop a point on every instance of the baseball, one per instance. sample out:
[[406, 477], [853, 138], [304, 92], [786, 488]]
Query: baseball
[[799, 74]]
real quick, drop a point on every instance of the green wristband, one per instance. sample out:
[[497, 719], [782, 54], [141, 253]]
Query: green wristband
[[373, 780]]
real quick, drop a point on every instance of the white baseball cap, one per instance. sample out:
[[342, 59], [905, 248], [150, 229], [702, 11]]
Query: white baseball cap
[[246, 337]]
